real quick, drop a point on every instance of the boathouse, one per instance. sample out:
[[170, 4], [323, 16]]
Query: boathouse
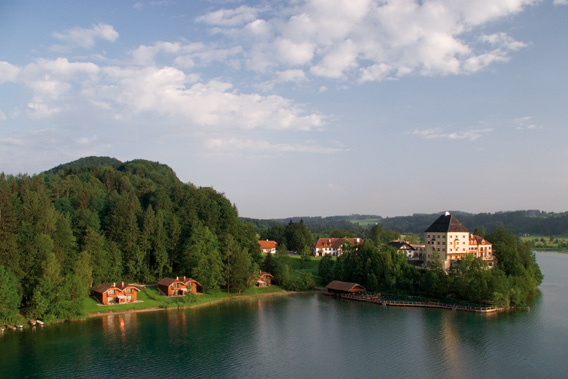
[[339, 287]]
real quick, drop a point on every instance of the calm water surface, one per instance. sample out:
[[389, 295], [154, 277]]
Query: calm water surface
[[305, 336]]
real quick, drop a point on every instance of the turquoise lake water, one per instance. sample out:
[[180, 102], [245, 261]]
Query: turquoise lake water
[[305, 336]]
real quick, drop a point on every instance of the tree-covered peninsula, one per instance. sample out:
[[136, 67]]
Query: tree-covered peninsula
[[98, 220], [379, 267]]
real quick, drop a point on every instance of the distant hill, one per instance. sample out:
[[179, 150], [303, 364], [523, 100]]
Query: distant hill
[[91, 161], [519, 222]]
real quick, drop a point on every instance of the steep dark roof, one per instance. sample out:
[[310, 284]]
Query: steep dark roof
[[337, 285], [446, 223]]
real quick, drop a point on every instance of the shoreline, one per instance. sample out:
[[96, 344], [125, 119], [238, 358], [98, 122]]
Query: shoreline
[[217, 301]]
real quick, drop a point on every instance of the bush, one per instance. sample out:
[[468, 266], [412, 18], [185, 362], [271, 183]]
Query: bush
[[304, 282]]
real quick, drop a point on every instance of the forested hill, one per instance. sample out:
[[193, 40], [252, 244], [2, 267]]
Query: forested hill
[[519, 222], [100, 220], [86, 162]]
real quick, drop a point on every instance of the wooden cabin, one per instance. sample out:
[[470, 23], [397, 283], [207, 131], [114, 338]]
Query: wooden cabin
[[264, 279], [339, 287], [192, 285], [172, 287], [122, 293]]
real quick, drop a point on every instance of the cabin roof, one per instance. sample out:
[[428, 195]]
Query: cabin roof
[[168, 282], [102, 288], [267, 244]]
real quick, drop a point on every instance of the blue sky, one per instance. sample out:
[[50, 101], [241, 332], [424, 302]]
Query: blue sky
[[299, 108]]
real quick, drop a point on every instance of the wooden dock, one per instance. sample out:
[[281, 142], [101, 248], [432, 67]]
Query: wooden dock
[[378, 299]]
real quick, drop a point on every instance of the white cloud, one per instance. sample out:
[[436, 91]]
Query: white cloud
[[370, 40], [438, 133], [86, 140], [85, 38], [229, 17], [51, 79], [8, 72], [40, 110], [560, 2], [256, 147], [184, 98], [526, 123], [167, 91], [2, 116]]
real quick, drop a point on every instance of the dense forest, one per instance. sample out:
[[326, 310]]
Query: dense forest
[[99, 220]]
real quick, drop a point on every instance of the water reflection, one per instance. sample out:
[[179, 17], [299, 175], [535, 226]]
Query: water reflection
[[120, 326]]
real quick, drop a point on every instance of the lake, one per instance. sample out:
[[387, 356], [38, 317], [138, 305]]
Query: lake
[[304, 336]]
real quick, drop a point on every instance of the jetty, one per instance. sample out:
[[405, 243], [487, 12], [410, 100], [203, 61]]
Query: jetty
[[388, 301]]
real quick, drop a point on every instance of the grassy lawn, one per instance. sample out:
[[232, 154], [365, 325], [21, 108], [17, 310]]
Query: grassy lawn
[[297, 266], [151, 298]]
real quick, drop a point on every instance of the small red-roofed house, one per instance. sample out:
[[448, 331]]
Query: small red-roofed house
[[268, 247]]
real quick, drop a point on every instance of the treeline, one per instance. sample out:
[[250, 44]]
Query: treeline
[[99, 221], [513, 282], [298, 237], [518, 222]]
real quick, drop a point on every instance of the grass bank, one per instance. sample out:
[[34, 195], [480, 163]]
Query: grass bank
[[149, 299]]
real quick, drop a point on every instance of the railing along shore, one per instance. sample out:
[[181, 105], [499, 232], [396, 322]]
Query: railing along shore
[[379, 299]]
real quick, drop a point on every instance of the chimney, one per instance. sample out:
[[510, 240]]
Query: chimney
[[177, 277], [114, 284]]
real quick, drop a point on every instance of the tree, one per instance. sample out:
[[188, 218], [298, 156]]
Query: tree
[[268, 264], [238, 265], [281, 264], [10, 295], [305, 258], [297, 236], [325, 268], [202, 258]]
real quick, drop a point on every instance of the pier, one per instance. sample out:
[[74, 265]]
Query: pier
[[385, 301]]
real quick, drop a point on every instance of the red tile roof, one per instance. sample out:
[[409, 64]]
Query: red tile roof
[[267, 244]]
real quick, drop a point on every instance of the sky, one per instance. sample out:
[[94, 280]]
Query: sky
[[299, 107]]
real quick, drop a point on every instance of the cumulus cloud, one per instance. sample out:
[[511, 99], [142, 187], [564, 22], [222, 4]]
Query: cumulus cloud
[[560, 2], [165, 91], [438, 133], [85, 38], [370, 40]]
